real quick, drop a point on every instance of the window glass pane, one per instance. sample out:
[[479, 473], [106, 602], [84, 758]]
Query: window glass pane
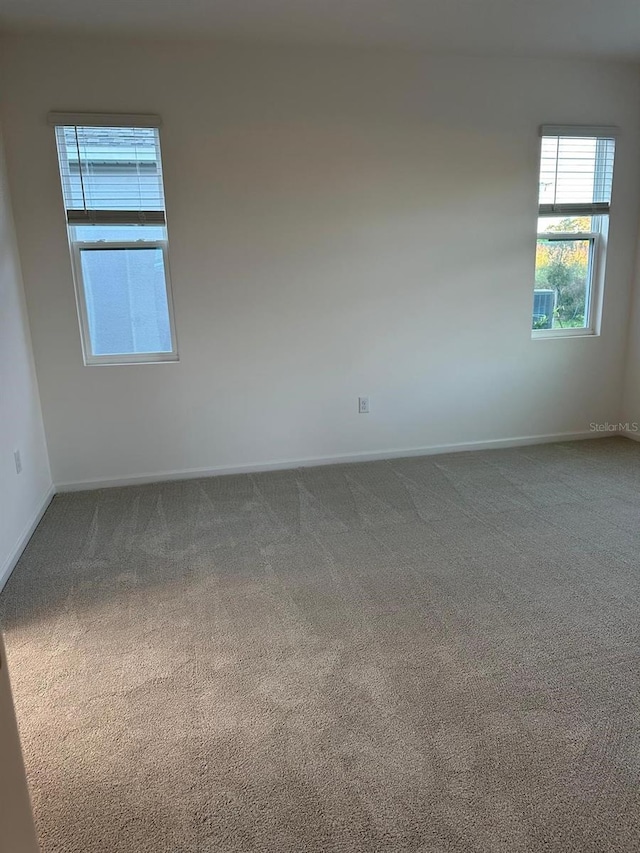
[[126, 300], [561, 295], [551, 224], [117, 233]]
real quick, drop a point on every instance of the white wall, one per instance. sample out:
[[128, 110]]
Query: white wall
[[23, 496], [342, 222], [630, 413]]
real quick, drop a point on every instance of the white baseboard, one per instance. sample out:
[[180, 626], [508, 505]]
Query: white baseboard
[[10, 563], [634, 436], [283, 464]]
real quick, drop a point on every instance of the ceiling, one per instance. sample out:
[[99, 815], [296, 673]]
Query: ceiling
[[558, 28]]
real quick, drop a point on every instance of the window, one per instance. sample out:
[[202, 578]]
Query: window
[[111, 174], [576, 175]]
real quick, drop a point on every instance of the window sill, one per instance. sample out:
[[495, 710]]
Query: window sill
[[553, 334], [147, 358]]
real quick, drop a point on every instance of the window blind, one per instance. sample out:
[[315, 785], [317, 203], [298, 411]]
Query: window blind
[[111, 174], [576, 171], [58, 119]]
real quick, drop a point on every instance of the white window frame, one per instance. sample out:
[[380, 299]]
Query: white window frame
[[79, 246], [75, 218], [598, 238], [594, 284]]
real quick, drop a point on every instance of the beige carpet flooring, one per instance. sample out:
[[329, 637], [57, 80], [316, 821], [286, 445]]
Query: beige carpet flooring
[[430, 654]]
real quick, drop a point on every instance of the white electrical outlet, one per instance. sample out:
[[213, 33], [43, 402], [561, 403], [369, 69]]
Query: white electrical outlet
[[17, 460], [363, 405]]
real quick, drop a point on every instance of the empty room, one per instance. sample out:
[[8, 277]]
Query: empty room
[[319, 426]]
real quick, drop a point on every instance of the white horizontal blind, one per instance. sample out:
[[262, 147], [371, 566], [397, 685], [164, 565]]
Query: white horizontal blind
[[58, 119], [576, 174], [111, 175]]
